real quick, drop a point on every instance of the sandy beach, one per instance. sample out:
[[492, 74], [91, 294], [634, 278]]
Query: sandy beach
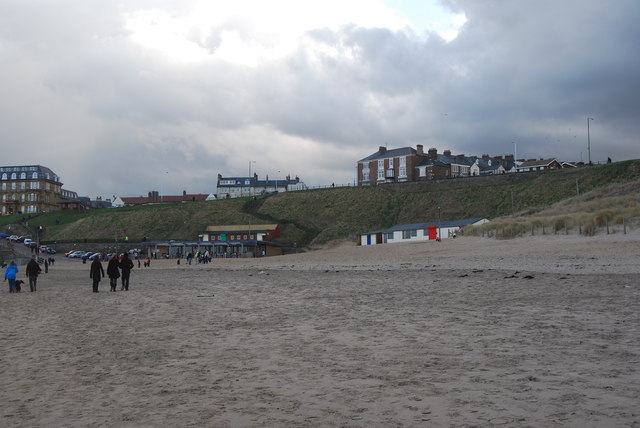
[[537, 331]]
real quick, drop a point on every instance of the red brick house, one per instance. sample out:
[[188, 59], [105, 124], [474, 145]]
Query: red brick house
[[390, 166]]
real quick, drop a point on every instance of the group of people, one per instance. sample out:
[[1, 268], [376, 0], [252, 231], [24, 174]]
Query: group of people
[[116, 268], [32, 270]]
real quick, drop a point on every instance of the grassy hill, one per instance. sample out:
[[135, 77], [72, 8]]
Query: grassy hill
[[318, 216]]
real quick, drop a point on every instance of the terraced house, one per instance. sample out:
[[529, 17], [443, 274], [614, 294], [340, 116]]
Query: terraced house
[[29, 189], [408, 164]]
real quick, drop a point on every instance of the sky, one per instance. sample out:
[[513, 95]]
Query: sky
[[121, 98]]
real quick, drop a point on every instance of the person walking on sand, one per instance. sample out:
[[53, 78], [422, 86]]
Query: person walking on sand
[[125, 266], [33, 270], [113, 272], [10, 275], [96, 273]]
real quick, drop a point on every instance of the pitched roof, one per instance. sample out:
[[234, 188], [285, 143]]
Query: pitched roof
[[404, 151], [536, 162], [242, 227], [416, 226]]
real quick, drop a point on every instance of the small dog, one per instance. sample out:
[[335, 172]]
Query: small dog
[[19, 283]]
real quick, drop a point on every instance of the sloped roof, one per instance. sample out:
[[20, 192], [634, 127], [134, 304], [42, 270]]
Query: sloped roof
[[536, 162], [429, 161], [404, 151], [416, 226], [242, 227]]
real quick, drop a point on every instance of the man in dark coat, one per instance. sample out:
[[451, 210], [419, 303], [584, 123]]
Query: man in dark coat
[[32, 271], [125, 266], [96, 272]]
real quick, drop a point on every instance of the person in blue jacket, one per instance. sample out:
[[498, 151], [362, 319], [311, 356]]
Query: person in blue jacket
[[10, 275]]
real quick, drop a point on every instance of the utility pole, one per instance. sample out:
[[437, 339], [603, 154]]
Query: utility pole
[[589, 139]]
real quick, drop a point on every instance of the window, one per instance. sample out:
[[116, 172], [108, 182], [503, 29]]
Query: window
[[34, 175], [402, 166], [365, 175], [4, 186], [13, 176], [4, 176], [408, 234], [23, 176]]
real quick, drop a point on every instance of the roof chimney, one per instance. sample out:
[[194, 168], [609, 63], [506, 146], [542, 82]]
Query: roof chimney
[[433, 153], [447, 153], [382, 149], [184, 193], [420, 149]]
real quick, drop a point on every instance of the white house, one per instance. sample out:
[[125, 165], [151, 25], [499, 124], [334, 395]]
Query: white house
[[419, 231]]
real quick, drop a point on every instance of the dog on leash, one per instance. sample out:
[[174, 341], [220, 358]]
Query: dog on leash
[[18, 284]]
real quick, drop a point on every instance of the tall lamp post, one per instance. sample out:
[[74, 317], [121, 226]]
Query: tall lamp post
[[589, 119], [439, 225], [515, 155], [250, 162]]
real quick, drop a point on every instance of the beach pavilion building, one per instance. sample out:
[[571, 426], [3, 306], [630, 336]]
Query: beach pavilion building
[[224, 241], [430, 231]]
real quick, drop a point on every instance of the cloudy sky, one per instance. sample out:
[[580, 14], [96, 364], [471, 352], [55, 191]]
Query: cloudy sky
[[120, 98]]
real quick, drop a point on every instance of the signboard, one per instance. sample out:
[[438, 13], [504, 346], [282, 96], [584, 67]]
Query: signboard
[[223, 236]]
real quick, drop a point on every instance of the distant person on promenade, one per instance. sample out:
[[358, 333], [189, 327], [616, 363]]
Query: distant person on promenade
[[125, 266], [113, 272], [96, 272], [10, 275], [32, 271]]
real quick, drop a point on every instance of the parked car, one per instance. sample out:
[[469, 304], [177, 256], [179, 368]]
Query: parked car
[[4, 235], [50, 250], [27, 241], [77, 254]]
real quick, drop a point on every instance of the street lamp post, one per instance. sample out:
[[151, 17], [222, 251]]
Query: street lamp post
[[250, 162], [589, 139], [439, 225], [515, 155]]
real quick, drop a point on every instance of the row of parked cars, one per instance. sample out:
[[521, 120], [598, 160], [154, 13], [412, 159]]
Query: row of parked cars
[[27, 241], [82, 255], [88, 255]]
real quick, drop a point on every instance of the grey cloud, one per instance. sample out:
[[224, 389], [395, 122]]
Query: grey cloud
[[109, 116]]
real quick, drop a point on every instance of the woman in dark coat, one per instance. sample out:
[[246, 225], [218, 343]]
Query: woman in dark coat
[[96, 273], [113, 272]]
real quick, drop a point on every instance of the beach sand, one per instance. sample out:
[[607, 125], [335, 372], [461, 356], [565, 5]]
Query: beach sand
[[537, 331]]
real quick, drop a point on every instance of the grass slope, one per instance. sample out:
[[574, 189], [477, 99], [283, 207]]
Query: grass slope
[[322, 215]]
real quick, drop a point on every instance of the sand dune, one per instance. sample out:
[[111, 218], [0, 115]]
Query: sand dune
[[468, 332]]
